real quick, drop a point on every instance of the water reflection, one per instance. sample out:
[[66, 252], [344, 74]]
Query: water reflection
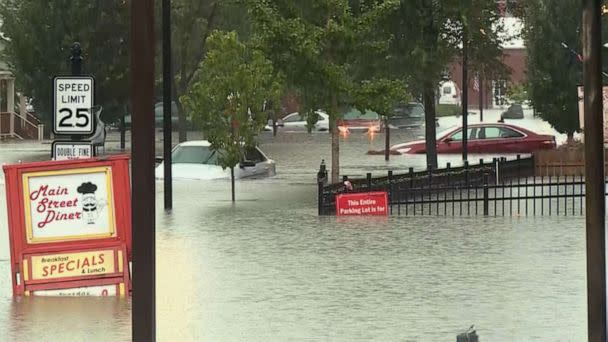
[[269, 269]]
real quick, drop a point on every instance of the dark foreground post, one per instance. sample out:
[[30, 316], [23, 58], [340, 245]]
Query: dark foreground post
[[142, 128], [486, 195], [167, 105], [594, 171]]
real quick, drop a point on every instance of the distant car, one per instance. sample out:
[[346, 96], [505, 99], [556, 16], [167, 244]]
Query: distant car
[[448, 93], [409, 116], [355, 121], [159, 117], [295, 122], [484, 138], [515, 111], [195, 160]]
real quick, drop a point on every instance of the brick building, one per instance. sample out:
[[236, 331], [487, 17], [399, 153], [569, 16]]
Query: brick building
[[514, 57]]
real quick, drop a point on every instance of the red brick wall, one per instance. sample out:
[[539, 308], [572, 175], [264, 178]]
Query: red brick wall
[[514, 59]]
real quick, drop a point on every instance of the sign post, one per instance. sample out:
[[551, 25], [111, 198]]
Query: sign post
[[73, 102]]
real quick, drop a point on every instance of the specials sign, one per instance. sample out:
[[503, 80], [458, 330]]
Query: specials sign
[[68, 205], [362, 204], [69, 265]]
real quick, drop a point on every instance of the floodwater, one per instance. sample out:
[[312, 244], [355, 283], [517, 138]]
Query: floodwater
[[269, 269]]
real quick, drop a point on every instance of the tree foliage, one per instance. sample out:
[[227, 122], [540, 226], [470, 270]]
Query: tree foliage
[[228, 95], [192, 22], [554, 71], [39, 35], [327, 49]]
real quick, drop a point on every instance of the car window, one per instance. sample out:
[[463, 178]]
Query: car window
[[254, 155], [472, 132], [194, 155], [320, 118], [509, 133], [447, 90], [413, 110], [492, 133], [354, 114], [293, 118]]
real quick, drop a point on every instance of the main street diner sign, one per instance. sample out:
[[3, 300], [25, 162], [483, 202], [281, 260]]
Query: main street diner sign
[[362, 204], [69, 225]]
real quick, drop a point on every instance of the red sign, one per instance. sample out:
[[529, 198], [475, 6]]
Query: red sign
[[362, 204], [70, 225]]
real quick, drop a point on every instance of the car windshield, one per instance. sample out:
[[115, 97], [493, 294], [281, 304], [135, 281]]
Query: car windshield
[[194, 155], [444, 132], [354, 114], [414, 110]]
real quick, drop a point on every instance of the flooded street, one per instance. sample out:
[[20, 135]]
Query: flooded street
[[269, 269]]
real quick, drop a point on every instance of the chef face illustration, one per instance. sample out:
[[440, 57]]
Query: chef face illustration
[[90, 210]]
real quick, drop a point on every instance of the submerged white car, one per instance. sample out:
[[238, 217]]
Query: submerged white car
[[295, 122], [196, 160]]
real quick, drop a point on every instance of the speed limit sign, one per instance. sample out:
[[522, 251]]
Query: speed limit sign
[[73, 105]]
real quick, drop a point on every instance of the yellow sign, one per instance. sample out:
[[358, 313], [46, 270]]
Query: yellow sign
[[84, 264], [67, 205]]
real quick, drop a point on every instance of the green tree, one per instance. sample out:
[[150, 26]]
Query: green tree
[[228, 94], [317, 45], [39, 35], [192, 22], [428, 36], [554, 71]]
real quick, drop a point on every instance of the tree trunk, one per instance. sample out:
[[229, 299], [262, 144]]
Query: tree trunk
[[387, 140], [335, 141], [232, 183], [181, 120], [570, 139], [430, 129]]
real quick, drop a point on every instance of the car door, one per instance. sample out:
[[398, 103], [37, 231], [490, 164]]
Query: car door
[[254, 164], [499, 139], [451, 143], [294, 122]]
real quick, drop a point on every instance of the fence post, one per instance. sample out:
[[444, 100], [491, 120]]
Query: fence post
[[411, 172], [466, 173], [486, 193], [369, 182], [389, 190], [497, 170], [320, 187], [518, 166]]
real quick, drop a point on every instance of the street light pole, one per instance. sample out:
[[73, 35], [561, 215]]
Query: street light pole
[[167, 104], [143, 195], [595, 200], [465, 91]]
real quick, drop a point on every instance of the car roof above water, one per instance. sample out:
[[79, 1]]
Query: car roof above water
[[198, 143]]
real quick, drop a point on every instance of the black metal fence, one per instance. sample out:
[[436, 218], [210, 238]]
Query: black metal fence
[[521, 197], [500, 188]]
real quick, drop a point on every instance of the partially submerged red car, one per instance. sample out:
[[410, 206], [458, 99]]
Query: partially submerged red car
[[484, 138]]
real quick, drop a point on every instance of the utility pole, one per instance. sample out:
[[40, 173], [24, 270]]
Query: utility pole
[[143, 195], [481, 103], [167, 104], [465, 91], [595, 200]]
